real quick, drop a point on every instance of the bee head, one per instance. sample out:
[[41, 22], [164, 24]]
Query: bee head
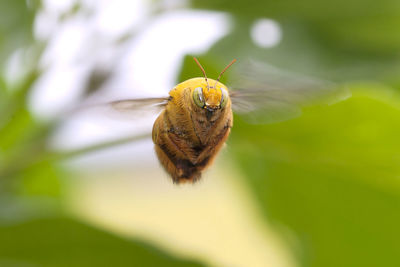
[[210, 98], [213, 97]]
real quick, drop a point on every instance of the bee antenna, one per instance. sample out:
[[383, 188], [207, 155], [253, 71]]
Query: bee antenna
[[202, 69], [222, 72]]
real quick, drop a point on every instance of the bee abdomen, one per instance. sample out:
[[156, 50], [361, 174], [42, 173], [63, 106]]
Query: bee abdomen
[[185, 148], [180, 169], [174, 151], [185, 165]]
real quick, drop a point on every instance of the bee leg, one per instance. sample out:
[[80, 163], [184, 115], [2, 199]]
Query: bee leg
[[180, 170], [166, 162]]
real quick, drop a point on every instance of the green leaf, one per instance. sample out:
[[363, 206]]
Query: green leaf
[[332, 177], [66, 242]]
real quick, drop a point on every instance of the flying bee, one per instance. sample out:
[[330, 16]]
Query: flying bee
[[196, 117]]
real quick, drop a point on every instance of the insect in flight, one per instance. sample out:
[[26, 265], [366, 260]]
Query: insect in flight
[[196, 117]]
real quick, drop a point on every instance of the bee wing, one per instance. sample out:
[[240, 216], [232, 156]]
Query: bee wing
[[139, 104], [266, 94], [124, 109], [135, 108]]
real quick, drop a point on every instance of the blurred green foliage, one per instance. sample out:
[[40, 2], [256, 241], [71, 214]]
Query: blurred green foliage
[[355, 25], [65, 242], [331, 176], [15, 26]]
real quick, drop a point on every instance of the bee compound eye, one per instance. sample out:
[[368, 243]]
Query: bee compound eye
[[224, 97], [198, 97]]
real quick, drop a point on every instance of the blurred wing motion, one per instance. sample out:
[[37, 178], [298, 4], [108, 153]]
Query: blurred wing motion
[[124, 109], [136, 108], [267, 94], [139, 104]]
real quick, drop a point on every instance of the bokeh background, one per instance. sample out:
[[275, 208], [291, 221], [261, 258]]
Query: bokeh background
[[85, 189]]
